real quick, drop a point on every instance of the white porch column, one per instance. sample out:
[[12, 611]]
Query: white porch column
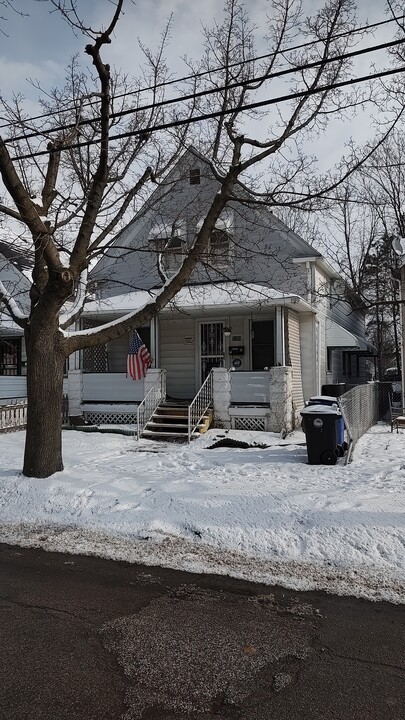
[[155, 378], [154, 341], [281, 399], [221, 397], [75, 392], [279, 355]]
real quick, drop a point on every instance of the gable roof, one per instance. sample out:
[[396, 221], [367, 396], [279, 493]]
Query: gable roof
[[123, 237]]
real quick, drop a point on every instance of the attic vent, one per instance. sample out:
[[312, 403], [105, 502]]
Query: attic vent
[[195, 176]]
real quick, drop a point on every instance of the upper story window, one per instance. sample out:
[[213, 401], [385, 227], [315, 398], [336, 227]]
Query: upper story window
[[170, 241], [173, 254], [220, 242], [219, 247]]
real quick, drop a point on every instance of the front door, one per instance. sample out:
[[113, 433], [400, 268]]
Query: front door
[[262, 344], [211, 347]]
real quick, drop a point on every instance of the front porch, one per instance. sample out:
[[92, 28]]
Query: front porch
[[261, 400], [247, 332]]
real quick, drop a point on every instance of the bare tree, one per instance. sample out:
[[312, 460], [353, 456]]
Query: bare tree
[[366, 216], [71, 196]]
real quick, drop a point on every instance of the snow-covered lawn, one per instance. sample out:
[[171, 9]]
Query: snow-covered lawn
[[262, 514]]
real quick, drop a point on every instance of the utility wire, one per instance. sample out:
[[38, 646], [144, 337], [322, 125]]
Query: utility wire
[[211, 91], [222, 113], [194, 76]]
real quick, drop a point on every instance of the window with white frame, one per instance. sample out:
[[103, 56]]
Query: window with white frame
[[220, 243], [170, 241], [219, 247]]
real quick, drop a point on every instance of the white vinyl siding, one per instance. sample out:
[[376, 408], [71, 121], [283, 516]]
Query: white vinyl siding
[[239, 328], [308, 354], [111, 387], [294, 359], [178, 341], [13, 386]]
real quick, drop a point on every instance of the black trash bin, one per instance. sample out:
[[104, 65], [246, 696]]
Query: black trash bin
[[335, 390], [332, 402], [321, 425]]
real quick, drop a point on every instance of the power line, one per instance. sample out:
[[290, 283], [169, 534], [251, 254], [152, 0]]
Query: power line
[[204, 93], [221, 113], [194, 76]]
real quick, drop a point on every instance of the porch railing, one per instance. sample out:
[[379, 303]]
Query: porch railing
[[13, 416], [199, 406], [13, 413], [151, 401]]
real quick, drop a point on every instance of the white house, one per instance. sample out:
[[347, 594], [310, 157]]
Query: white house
[[261, 310]]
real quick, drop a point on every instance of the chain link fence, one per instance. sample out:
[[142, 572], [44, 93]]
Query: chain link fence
[[360, 408]]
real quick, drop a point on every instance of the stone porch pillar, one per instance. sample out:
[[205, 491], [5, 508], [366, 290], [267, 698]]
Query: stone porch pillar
[[281, 400], [75, 392], [221, 397], [155, 378]]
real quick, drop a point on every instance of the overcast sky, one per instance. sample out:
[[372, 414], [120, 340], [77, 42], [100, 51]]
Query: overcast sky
[[39, 46], [41, 43]]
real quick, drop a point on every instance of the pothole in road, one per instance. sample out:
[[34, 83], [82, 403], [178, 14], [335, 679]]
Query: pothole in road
[[183, 652]]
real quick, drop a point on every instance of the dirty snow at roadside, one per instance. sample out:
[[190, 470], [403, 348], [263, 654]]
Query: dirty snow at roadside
[[260, 513]]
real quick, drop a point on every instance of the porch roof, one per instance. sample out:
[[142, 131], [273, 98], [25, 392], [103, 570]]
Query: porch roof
[[8, 328], [338, 337], [227, 297]]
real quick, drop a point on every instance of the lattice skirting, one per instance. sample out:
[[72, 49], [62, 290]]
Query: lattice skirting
[[110, 418], [248, 423]]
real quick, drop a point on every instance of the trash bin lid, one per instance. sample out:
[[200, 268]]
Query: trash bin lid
[[319, 399], [321, 410]]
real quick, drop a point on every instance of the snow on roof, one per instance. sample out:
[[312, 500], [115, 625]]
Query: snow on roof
[[199, 297], [8, 328]]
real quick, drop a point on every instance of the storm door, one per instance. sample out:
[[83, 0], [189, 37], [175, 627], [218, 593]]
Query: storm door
[[262, 344], [211, 347]]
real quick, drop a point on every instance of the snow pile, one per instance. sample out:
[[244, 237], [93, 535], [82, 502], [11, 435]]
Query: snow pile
[[260, 513]]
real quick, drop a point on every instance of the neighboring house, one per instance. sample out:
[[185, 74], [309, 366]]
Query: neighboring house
[[260, 304], [13, 358]]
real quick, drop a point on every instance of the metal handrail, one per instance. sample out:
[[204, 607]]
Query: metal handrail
[[200, 404], [147, 407]]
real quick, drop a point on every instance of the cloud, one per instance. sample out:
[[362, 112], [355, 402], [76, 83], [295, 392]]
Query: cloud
[[15, 75]]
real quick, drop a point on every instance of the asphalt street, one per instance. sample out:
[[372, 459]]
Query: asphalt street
[[86, 638]]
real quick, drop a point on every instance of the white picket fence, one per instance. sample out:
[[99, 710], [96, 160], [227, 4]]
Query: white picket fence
[[13, 413], [13, 416]]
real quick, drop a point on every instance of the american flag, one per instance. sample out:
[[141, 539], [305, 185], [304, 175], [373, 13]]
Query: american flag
[[139, 359]]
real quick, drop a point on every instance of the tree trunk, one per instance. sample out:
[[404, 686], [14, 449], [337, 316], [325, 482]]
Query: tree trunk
[[45, 361]]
